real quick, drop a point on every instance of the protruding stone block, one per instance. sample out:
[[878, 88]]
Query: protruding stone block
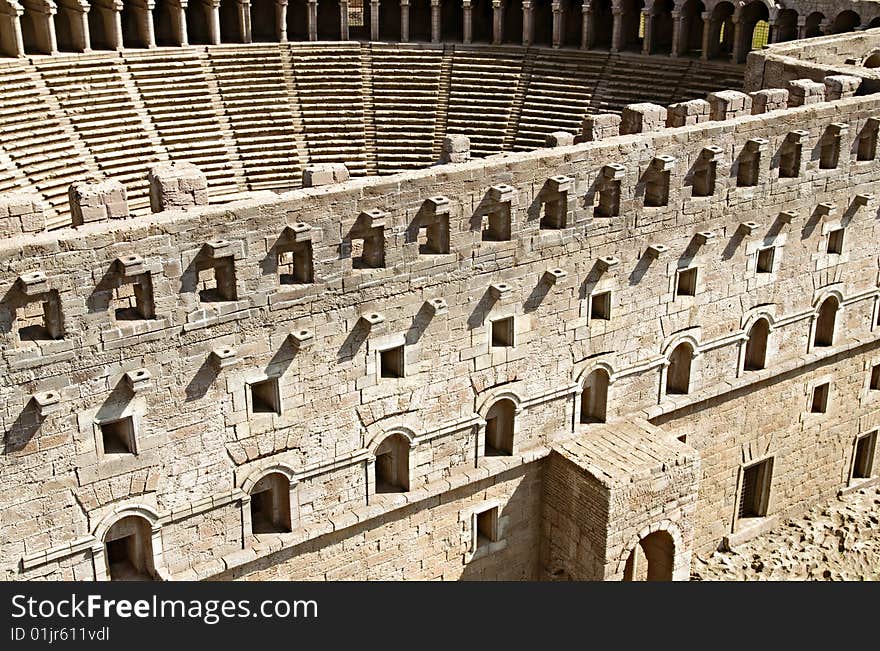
[[455, 149], [33, 283], [704, 237], [47, 402], [555, 275], [371, 319], [682, 114], [177, 185], [863, 200], [560, 183], [224, 357], [373, 218], [21, 212], [607, 262], [802, 92], [663, 163], [138, 380], [756, 145], [728, 104], [500, 291], [614, 172], [825, 209], [502, 193], [798, 136], [712, 152], [642, 118], [319, 174], [438, 205], [840, 87], [299, 232], [94, 201], [787, 216], [769, 99], [656, 250], [130, 265], [559, 139], [437, 306], [749, 227], [302, 338], [216, 249], [599, 127]]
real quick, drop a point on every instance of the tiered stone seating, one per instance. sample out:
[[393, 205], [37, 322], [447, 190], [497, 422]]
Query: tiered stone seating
[[35, 141], [632, 78], [705, 77], [331, 98], [481, 95], [405, 89], [256, 101], [177, 95], [559, 93], [106, 114]]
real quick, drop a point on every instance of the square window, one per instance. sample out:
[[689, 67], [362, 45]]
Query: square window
[[863, 461], [875, 378], [295, 264], [486, 527], [835, 241], [502, 333], [819, 402], [391, 362], [117, 436], [265, 397], [765, 260], [600, 306], [687, 282]]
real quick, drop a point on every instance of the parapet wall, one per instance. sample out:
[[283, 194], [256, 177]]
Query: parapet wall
[[203, 343]]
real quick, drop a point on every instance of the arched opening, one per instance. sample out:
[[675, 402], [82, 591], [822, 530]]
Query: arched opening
[[452, 21], [270, 504], [691, 36], [603, 24], [813, 24], [359, 21], [263, 17], [392, 465], [875, 22], [594, 397], [298, 20], [873, 61], [389, 20], [754, 33], [500, 421], [721, 31], [481, 21], [230, 23], [512, 31], [846, 21], [133, 28], [678, 373], [652, 559], [756, 346], [542, 19], [66, 30], [35, 31], [825, 322], [661, 27], [786, 25], [8, 19], [420, 20], [128, 550], [632, 27], [165, 27], [572, 23], [198, 18]]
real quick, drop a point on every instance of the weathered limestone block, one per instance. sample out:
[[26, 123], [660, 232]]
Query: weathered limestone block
[[641, 118], [20, 212], [456, 149], [841, 86], [597, 127], [728, 104], [769, 99], [802, 92], [684, 113], [559, 139], [324, 174], [93, 201], [177, 185]]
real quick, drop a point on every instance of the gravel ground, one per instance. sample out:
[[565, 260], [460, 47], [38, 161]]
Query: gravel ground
[[837, 541]]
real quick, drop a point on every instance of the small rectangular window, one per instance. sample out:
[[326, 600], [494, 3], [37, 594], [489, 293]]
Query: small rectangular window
[[875, 378], [295, 264], [755, 491], [502, 333], [117, 436], [765, 260], [486, 527], [600, 306], [819, 402], [265, 397], [835, 241], [391, 362], [863, 463], [687, 282]]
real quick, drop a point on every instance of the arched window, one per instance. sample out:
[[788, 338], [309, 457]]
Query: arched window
[[813, 24], [786, 25], [691, 39], [230, 22], [594, 397], [166, 17], [846, 21], [500, 428], [755, 27], [392, 465], [482, 14], [270, 504], [128, 550], [572, 23], [721, 31], [420, 20], [756, 346], [678, 373], [652, 559], [825, 322], [661, 27]]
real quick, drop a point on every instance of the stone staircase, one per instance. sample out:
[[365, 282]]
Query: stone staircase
[[704, 77], [444, 83], [406, 81], [255, 100]]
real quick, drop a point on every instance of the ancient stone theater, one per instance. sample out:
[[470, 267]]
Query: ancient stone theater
[[431, 289]]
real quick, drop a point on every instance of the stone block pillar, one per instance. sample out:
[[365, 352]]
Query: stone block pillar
[[177, 185], [78, 13], [647, 40], [436, 24], [404, 21], [840, 87], [641, 118], [467, 22], [528, 34], [707, 28], [324, 174], [677, 21], [374, 20], [281, 20], [20, 212], [497, 22], [617, 28], [455, 149], [597, 127], [95, 201], [558, 18]]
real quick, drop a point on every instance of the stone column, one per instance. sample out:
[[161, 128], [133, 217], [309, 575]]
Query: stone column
[[145, 20], [707, 28], [313, 20], [825, 27], [244, 20], [281, 20], [528, 34], [558, 18], [497, 22], [617, 29], [404, 21], [45, 24], [16, 48], [586, 25], [344, 27], [677, 20], [374, 20], [802, 27], [738, 53], [648, 38], [468, 25], [79, 22], [436, 25], [214, 22], [180, 22]]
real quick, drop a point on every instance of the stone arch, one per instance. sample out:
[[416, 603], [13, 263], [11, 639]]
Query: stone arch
[[500, 413], [512, 20], [721, 31], [135, 17], [573, 23], [845, 21], [482, 17], [230, 22], [391, 467], [662, 554], [872, 60], [297, 20], [875, 22], [631, 34], [38, 27], [751, 15], [128, 544], [166, 25], [813, 24], [264, 21], [542, 22], [593, 392], [603, 24], [389, 20], [10, 12], [69, 35], [199, 16], [785, 28], [661, 26], [756, 345], [691, 38], [270, 505], [677, 371], [452, 21], [420, 20], [262, 469], [825, 320]]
